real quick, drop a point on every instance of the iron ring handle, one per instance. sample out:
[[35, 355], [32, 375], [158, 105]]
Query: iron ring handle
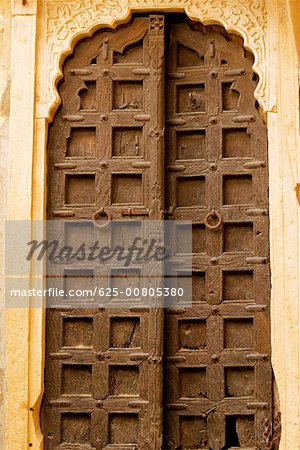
[[95, 216], [210, 215]]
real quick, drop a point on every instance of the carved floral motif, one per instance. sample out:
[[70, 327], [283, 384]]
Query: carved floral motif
[[245, 17], [67, 21]]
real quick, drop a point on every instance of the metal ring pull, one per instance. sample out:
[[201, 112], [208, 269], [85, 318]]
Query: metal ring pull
[[97, 214], [213, 220]]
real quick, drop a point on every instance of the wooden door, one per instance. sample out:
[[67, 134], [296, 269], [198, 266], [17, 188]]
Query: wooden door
[[103, 366], [104, 383], [218, 379]]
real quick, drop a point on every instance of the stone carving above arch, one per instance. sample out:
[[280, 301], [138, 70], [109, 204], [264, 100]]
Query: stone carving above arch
[[68, 21]]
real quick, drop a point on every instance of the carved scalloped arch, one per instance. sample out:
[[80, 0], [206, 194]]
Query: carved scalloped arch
[[69, 21]]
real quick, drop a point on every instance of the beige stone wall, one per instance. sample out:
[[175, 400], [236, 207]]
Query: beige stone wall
[[35, 37], [284, 164], [5, 46], [294, 16]]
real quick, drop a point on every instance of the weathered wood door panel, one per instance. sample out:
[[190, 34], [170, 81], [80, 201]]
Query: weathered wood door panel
[[103, 379], [106, 152], [218, 382]]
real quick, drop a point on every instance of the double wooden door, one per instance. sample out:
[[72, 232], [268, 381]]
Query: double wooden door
[[159, 121]]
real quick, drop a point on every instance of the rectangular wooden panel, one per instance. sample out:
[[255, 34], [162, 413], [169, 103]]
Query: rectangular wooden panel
[[211, 374], [103, 378]]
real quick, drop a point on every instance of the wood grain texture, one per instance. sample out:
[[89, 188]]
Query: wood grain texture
[[106, 150], [209, 379], [125, 95]]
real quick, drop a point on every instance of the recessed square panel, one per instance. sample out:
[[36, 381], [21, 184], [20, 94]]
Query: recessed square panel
[[238, 333], [181, 241], [78, 233], [77, 332], [190, 98], [123, 428], [193, 432], [77, 279], [76, 428], [238, 285], [125, 232], [125, 332], [190, 191], [127, 188], [80, 189], [125, 280], [236, 143], [76, 379], [237, 190], [238, 237], [240, 432], [230, 97], [193, 285], [192, 334], [198, 287], [127, 141], [124, 380], [239, 381], [82, 143], [192, 382], [128, 95], [88, 96], [191, 144], [184, 238], [199, 238]]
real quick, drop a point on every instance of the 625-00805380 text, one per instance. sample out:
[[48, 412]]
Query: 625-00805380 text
[[99, 291]]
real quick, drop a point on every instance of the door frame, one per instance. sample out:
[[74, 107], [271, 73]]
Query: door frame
[[43, 35]]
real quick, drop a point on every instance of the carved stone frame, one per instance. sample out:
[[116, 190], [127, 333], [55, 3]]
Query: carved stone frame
[[67, 22], [52, 28]]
